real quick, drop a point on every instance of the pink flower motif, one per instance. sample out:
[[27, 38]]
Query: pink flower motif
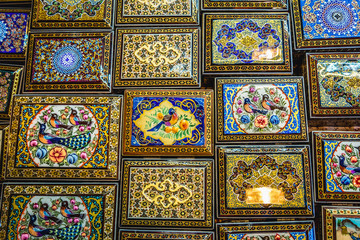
[[335, 164], [35, 205], [75, 207], [33, 143], [70, 220], [76, 220], [338, 174], [46, 118], [252, 89], [25, 236], [88, 128], [81, 128], [82, 111], [72, 201], [83, 155], [239, 102], [239, 110], [49, 111], [85, 116], [255, 99]]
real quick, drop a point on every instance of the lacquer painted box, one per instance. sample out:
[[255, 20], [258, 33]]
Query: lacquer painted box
[[334, 84], [256, 43], [72, 14], [326, 24], [303, 230], [167, 194], [337, 159], [168, 122], [164, 235], [245, 5], [62, 211], [260, 109], [157, 57], [341, 223], [63, 137], [68, 62]]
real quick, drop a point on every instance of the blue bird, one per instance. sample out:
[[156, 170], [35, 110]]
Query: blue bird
[[169, 120], [251, 108], [346, 168]]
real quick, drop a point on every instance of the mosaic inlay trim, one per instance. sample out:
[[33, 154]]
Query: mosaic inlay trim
[[338, 165], [247, 43], [244, 4], [4, 136], [58, 211], [168, 123], [335, 88], [164, 235], [64, 137], [260, 109], [167, 193], [66, 61], [157, 57], [9, 82]]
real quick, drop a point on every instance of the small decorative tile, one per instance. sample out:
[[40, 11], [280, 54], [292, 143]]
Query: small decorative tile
[[164, 235], [62, 137], [245, 5], [334, 84], [260, 109], [303, 230], [175, 194], [326, 24], [64, 211], [68, 61], [9, 84], [247, 43], [337, 166], [157, 57], [72, 14]]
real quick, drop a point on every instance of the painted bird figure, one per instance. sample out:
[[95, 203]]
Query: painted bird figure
[[346, 168], [75, 120], [55, 123], [46, 215], [169, 120], [251, 108], [66, 212], [270, 105], [75, 142]]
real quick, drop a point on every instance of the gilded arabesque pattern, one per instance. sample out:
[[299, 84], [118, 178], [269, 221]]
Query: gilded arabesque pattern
[[9, 83], [132, 235], [241, 4]]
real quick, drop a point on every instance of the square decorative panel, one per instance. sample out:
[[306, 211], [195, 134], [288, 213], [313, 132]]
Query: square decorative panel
[[247, 43], [245, 5], [9, 83], [64, 211], [303, 230], [174, 194], [72, 14], [62, 137], [68, 61], [164, 235], [157, 57], [171, 122], [260, 109], [337, 166], [334, 84], [264, 181]]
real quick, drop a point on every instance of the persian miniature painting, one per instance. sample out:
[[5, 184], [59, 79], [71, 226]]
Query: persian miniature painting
[[9, 83]]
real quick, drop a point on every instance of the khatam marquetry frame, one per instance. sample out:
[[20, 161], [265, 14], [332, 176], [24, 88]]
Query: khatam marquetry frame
[[207, 223], [4, 129], [29, 87], [241, 69], [194, 81], [112, 170], [223, 138], [127, 234], [245, 5], [205, 150], [316, 111]]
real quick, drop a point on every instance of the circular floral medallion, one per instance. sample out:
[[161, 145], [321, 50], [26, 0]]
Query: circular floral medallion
[[67, 60]]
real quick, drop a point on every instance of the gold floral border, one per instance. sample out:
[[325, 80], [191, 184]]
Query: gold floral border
[[163, 235], [15, 88], [64, 173], [278, 5], [205, 150], [4, 148]]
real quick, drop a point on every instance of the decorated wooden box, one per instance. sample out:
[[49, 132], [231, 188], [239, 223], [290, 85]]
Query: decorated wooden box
[[326, 24], [157, 57], [334, 84], [68, 62], [264, 182], [337, 164], [260, 109], [4, 135], [244, 43], [303, 230], [72, 14], [61, 211], [244, 5], [167, 194], [341, 223], [168, 122], [164, 235], [63, 137]]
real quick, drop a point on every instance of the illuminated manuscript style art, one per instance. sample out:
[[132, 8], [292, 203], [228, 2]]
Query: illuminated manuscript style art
[[64, 211], [260, 109], [64, 137], [334, 84], [157, 57], [68, 61], [164, 235], [247, 43], [245, 4], [9, 82], [168, 123], [337, 165], [167, 193]]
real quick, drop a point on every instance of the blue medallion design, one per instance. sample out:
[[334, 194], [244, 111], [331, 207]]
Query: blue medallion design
[[67, 60], [3, 30]]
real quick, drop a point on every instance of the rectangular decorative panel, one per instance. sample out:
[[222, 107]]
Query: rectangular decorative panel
[[68, 61], [9, 84], [62, 137], [168, 122], [176, 194], [158, 57], [4, 135], [264, 181], [245, 5], [164, 235], [303, 230], [334, 84], [64, 211], [337, 166], [260, 109], [247, 43]]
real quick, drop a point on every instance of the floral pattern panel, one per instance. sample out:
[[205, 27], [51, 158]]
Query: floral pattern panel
[[9, 83], [165, 235], [245, 4]]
